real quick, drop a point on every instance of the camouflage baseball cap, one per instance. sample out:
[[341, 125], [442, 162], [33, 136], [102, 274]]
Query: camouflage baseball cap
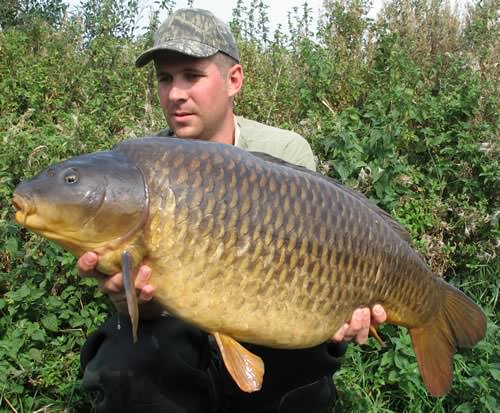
[[194, 32]]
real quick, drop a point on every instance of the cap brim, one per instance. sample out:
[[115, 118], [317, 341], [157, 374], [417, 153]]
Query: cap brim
[[188, 47]]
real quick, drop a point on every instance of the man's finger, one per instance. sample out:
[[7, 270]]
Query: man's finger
[[145, 290], [143, 276], [362, 336], [340, 334], [86, 264], [113, 284], [358, 327], [146, 294], [359, 320], [379, 314]]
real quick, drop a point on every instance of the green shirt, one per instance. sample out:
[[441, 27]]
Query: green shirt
[[281, 143]]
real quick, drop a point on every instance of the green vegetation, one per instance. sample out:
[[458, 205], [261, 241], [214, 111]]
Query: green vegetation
[[404, 108]]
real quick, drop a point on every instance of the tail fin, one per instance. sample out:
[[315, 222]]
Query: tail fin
[[460, 323]]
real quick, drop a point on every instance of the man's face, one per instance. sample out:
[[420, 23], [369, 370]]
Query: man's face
[[195, 96]]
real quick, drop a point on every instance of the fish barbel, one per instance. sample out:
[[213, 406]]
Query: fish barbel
[[248, 248]]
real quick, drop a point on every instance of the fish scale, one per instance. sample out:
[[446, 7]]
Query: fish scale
[[248, 247], [291, 199]]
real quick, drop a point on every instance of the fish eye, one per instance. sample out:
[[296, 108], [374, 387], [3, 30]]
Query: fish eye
[[71, 177]]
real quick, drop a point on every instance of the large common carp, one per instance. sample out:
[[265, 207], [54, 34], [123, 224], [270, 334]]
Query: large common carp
[[247, 247]]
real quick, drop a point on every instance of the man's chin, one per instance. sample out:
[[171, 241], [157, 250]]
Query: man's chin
[[189, 133], [184, 131]]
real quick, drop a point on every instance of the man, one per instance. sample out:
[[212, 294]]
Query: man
[[175, 367]]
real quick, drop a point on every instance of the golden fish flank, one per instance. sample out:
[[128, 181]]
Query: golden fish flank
[[250, 248]]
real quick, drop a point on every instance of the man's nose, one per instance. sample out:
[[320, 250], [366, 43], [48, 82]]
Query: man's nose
[[177, 92]]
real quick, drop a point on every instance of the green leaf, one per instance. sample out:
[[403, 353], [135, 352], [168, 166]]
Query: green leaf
[[50, 322], [23, 292], [377, 172], [38, 335], [400, 361], [496, 374], [393, 376], [35, 354], [491, 403], [342, 170], [11, 246]]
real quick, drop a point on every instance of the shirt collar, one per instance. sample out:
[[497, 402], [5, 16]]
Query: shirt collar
[[237, 132]]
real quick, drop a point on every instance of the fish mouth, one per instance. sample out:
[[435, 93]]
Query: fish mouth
[[23, 206]]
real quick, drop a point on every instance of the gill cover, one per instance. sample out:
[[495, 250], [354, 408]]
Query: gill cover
[[85, 203]]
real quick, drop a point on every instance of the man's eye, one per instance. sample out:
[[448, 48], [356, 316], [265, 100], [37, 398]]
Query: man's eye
[[192, 76], [164, 79]]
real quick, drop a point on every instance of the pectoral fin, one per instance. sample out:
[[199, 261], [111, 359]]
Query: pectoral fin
[[246, 369], [128, 282]]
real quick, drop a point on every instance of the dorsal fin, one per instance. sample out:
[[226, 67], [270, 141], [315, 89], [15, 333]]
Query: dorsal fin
[[396, 226]]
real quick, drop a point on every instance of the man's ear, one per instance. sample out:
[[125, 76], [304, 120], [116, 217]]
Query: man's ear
[[234, 80]]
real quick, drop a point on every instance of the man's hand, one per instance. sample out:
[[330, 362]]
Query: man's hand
[[113, 285], [359, 326]]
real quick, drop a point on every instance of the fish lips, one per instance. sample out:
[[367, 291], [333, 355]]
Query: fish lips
[[23, 206]]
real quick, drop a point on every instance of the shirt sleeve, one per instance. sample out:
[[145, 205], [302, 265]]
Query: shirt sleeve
[[281, 143], [300, 153]]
